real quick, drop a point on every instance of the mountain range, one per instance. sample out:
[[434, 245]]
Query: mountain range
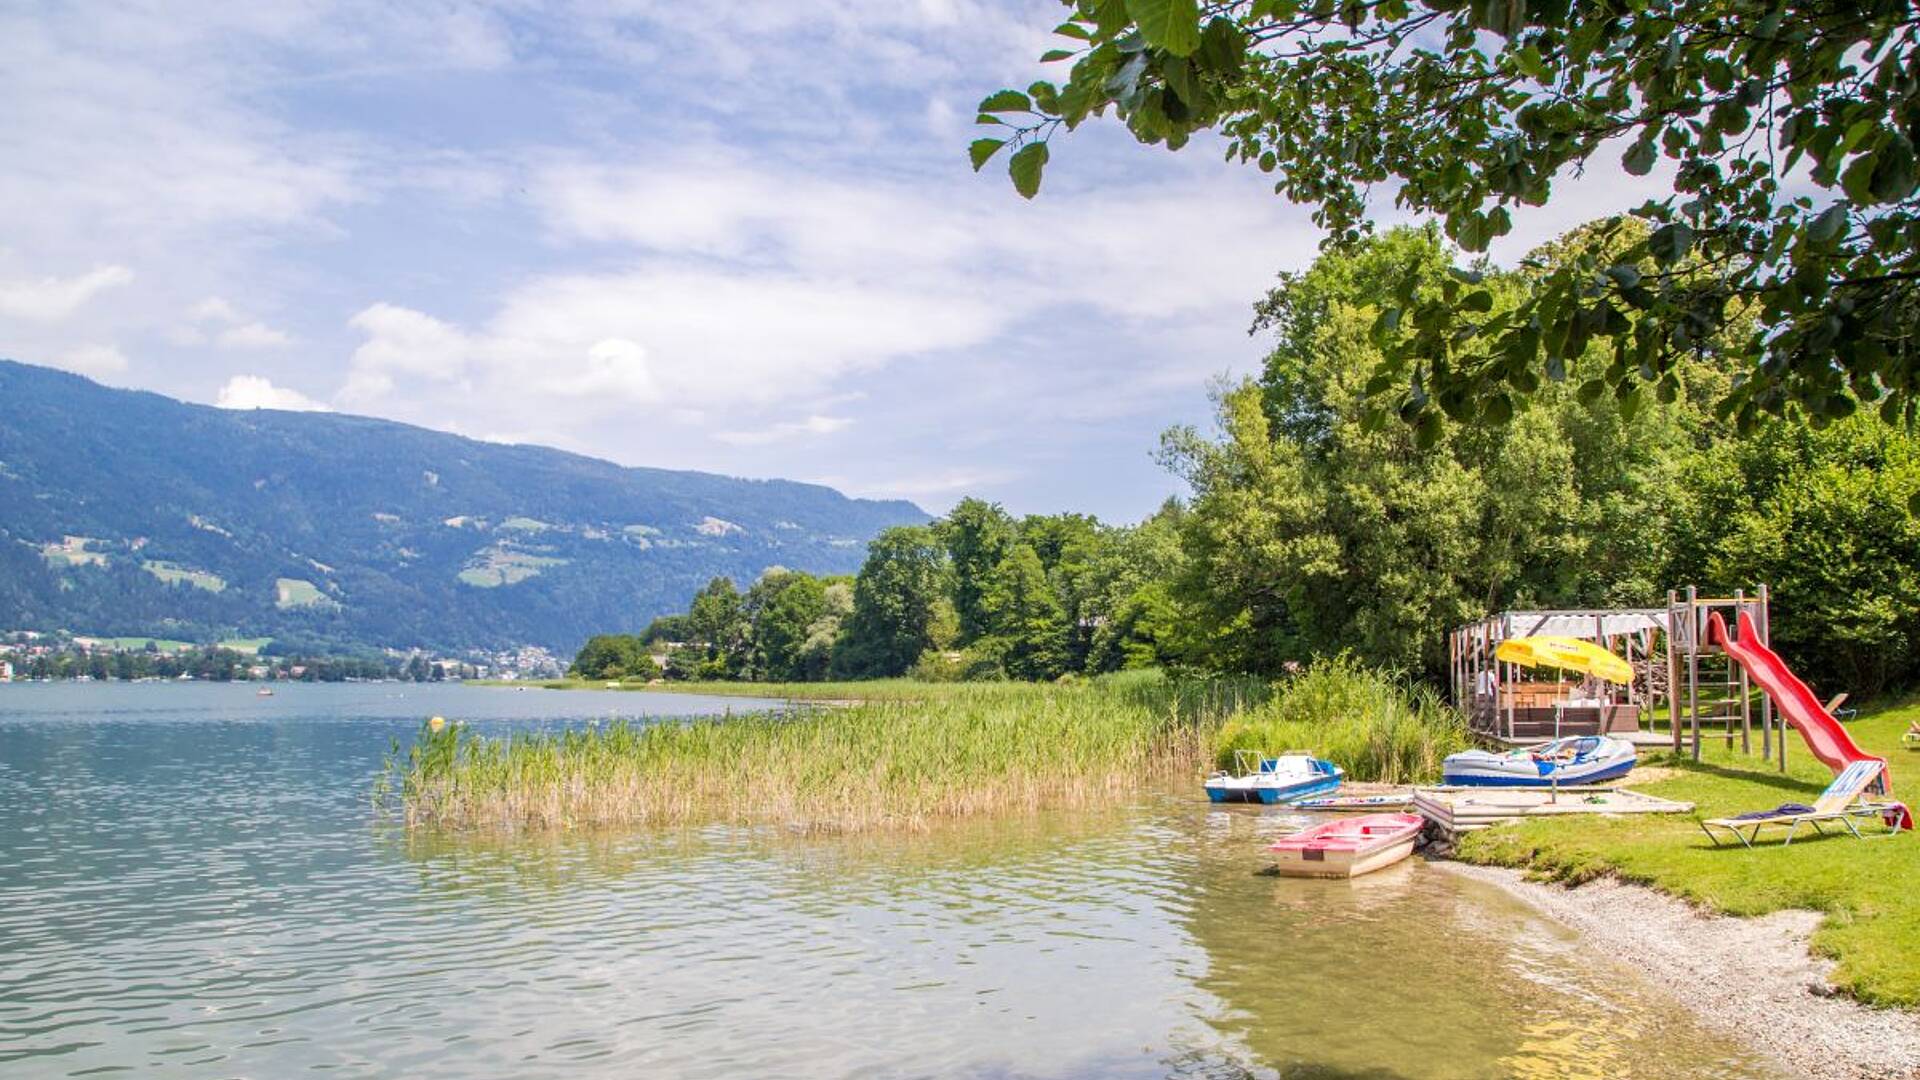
[[126, 513]]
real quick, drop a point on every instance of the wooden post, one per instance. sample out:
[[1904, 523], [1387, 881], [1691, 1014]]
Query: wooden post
[[1673, 668], [1693, 669], [1765, 626], [1746, 707]]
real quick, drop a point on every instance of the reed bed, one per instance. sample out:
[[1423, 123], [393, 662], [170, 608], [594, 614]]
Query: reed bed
[[1376, 726], [890, 762], [910, 754]]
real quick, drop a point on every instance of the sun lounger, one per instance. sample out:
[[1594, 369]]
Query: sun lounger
[[1843, 802], [1912, 736]]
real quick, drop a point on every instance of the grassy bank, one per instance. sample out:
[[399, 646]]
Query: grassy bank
[[907, 752], [1869, 891]]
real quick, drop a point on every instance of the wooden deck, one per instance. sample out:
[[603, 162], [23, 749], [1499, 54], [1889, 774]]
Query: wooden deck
[[1454, 810]]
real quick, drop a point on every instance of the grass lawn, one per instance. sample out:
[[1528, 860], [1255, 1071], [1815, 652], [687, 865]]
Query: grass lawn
[[129, 644], [1870, 891], [250, 645]]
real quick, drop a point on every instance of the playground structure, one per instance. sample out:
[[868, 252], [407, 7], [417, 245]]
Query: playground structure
[[1690, 671]]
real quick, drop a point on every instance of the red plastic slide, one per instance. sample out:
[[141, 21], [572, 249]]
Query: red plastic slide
[[1825, 737]]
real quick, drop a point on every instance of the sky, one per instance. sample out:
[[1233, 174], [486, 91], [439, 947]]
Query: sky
[[736, 237]]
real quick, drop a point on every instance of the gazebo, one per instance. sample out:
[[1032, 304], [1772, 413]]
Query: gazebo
[[1502, 704]]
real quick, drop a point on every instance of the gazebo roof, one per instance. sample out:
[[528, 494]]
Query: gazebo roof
[[1590, 624]]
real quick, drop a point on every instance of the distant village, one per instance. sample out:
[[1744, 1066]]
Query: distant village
[[46, 656]]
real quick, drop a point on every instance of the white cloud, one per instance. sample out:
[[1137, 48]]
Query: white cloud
[[405, 342], [239, 332], [213, 309], [257, 392], [695, 337], [51, 299], [812, 425], [252, 335], [926, 488], [95, 361]]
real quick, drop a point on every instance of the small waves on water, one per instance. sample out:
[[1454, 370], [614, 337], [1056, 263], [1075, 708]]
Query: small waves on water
[[205, 892]]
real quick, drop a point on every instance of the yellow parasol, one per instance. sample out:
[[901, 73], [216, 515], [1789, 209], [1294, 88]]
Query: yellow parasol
[[1568, 654]]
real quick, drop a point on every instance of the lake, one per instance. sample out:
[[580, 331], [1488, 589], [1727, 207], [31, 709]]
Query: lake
[[193, 883]]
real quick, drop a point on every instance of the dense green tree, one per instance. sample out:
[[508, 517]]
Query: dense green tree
[[895, 604], [1822, 517], [814, 661], [1782, 131], [1024, 618], [1313, 530], [1070, 548], [1135, 622], [614, 656], [978, 534], [783, 621], [717, 625], [666, 628]]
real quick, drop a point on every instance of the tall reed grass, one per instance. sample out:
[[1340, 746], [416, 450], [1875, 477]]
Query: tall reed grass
[[1377, 727], [890, 762], [913, 753]]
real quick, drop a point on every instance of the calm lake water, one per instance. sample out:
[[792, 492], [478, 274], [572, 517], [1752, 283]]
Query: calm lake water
[[192, 884]]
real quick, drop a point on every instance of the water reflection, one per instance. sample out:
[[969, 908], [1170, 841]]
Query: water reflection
[[205, 893]]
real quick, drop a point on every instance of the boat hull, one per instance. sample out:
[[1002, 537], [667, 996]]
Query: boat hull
[[1340, 864], [1568, 762], [1348, 848], [1569, 778], [1272, 795]]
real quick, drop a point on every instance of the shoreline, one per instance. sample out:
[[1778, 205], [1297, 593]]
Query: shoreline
[[1761, 983]]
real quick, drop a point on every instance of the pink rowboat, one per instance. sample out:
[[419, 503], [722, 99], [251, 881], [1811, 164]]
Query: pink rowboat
[[1344, 849]]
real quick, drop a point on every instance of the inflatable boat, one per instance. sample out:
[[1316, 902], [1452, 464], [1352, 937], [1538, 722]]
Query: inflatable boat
[[1261, 779], [1582, 759]]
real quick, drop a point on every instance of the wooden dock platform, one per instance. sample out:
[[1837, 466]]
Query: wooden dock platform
[[1454, 810]]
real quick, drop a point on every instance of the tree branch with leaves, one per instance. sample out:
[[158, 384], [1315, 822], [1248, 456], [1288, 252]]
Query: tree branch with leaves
[[1783, 226]]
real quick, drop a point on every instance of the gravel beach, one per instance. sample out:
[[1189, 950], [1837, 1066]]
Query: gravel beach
[[1766, 987]]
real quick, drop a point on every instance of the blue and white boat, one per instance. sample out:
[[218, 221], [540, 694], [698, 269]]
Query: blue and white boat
[[1581, 759], [1262, 779]]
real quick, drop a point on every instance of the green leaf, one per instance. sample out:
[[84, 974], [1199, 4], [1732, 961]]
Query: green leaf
[[1052, 55], [1590, 391], [1006, 101], [1639, 158], [1025, 167], [1426, 430], [982, 149], [1173, 25], [1222, 47], [1626, 275], [1913, 504], [1073, 30], [1827, 226], [1477, 301], [1671, 242], [1629, 402], [1498, 409], [1857, 181]]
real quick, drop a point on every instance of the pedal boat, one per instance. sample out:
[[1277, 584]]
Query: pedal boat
[[1349, 848], [1258, 778]]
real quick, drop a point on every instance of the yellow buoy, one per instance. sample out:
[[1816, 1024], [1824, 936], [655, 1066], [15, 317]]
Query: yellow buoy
[[436, 723]]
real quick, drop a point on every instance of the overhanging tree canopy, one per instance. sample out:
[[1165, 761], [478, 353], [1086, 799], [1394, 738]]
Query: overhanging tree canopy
[[1787, 232]]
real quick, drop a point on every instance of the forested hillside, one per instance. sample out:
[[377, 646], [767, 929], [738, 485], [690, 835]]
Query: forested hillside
[[131, 513]]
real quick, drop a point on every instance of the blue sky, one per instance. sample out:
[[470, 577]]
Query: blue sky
[[733, 237]]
